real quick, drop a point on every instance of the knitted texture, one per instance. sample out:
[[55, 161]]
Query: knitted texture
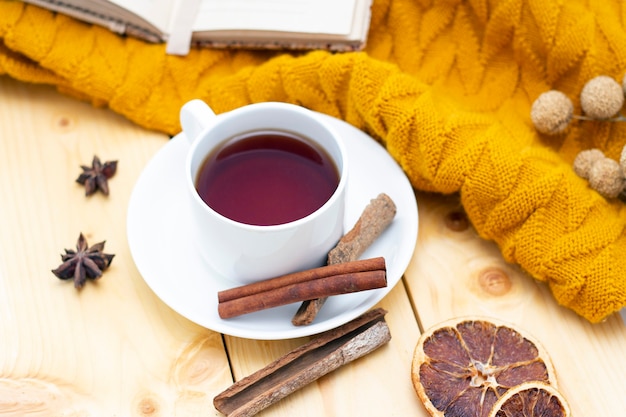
[[445, 85]]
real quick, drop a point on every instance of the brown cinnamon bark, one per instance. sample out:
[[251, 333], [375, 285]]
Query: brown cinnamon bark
[[304, 365], [372, 264], [375, 218], [300, 291]]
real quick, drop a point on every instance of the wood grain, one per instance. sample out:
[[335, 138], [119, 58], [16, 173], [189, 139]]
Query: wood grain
[[382, 378], [115, 349], [112, 348], [455, 273]]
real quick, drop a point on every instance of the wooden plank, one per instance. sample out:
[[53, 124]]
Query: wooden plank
[[455, 273], [113, 348], [378, 384]]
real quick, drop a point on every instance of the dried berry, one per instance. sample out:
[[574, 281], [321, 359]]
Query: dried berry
[[84, 262], [602, 97], [605, 176], [585, 160], [552, 112], [96, 176], [622, 160]]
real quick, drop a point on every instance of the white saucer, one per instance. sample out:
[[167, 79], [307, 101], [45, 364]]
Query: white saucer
[[158, 235]]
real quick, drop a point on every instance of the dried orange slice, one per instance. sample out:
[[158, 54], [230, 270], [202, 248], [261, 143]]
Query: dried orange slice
[[461, 367], [531, 399]]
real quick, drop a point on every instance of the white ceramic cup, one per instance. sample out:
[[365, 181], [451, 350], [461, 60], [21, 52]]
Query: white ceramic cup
[[245, 253]]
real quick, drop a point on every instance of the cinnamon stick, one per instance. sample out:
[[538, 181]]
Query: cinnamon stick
[[304, 365], [372, 264], [305, 290], [375, 218]]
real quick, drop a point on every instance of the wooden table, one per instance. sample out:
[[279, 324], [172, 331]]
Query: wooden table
[[115, 349]]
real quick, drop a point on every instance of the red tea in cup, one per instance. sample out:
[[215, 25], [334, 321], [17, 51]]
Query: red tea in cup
[[267, 178], [246, 232]]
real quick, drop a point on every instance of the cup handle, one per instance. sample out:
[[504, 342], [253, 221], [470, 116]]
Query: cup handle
[[195, 116]]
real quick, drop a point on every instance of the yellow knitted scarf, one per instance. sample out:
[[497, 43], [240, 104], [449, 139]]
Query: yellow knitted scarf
[[445, 85]]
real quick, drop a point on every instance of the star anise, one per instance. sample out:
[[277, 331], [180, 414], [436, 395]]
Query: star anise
[[84, 262], [96, 176]]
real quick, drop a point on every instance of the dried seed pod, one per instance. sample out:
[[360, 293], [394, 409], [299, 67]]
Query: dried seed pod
[[622, 160], [552, 112], [602, 97], [605, 176], [585, 160]]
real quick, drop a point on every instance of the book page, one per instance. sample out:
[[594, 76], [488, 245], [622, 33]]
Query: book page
[[156, 12], [310, 16], [149, 16]]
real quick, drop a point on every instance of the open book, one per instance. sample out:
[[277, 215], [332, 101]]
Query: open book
[[338, 25]]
